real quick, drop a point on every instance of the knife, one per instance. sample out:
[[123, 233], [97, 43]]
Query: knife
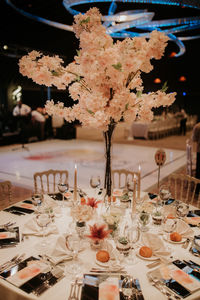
[[8, 246]]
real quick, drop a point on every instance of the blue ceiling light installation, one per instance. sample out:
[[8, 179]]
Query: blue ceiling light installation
[[127, 23]]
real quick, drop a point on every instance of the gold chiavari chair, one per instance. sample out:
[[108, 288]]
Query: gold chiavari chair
[[47, 181], [5, 194], [120, 178], [183, 188]]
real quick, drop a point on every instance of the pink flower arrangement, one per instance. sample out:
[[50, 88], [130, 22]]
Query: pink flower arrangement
[[93, 202], [105, 77], [98, 232]]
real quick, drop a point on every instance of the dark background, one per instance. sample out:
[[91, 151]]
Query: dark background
[[22, 34]]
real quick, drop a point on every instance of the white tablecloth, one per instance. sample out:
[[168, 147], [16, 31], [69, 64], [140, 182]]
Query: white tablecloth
[[61, 289]]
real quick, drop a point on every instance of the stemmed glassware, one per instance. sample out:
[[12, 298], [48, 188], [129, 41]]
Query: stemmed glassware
[[144, 220], [43, 219], [73, 244], [133, 235], [182, 210], [95, 182], [63, 187], [164, 193]]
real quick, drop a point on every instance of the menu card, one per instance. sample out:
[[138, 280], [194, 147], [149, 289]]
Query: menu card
[[33, 268]]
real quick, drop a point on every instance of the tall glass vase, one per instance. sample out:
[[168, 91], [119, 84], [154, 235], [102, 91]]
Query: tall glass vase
[[108, 145]]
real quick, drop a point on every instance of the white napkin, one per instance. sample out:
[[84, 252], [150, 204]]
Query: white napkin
[[32, 228], [154, 242], [59, 252], [184, 229], [50, 203]]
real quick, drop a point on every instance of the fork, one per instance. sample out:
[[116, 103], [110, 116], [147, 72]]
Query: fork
[[8, 262], [71, 291]]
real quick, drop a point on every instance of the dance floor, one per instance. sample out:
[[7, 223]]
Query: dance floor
[[19, 165]]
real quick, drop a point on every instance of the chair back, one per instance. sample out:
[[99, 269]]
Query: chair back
[[5, 193], [121, 176], [47, 181], [183, 188]]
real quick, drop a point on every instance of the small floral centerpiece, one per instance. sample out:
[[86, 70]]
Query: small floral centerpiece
[[92, 202], [97, 234], [123, 245], [112, 219], [157, 217]]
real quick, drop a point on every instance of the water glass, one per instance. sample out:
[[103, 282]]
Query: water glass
[[95, 182], [43, 219], [63, 187], [182, 209], [73, 244], [164, 193]]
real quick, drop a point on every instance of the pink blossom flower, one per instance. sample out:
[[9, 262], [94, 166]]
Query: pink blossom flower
[[105, 77]]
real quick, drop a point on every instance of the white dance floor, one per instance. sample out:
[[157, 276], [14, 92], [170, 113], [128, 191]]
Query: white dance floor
[[19, 166]]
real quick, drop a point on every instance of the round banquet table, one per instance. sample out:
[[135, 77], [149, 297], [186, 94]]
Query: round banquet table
[[61, 289]]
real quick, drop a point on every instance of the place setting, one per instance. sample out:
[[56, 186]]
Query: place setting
[[31, 275], [9, 235]]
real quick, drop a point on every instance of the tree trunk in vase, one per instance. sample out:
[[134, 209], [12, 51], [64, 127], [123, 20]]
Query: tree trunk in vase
[[108, 145]]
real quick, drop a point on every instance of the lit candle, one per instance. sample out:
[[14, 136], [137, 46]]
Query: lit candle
[[139, 179], [134, 196], [75, 183]]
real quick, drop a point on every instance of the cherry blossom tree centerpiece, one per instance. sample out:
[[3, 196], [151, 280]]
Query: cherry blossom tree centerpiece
[[104, 80]]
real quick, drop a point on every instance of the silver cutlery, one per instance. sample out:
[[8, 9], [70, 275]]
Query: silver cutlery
[[8, 262], [74, 297], [12, 262], [106, 271], [71, 291], [6, 225], [163, 288], [8, 245]]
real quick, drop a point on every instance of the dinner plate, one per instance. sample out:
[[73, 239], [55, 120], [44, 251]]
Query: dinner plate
[[166, 237], [153, 257]]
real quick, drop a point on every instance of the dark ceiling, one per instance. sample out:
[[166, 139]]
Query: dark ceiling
[[19, 33]]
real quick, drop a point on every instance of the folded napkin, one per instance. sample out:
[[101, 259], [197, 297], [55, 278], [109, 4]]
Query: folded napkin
[[59, 252], [157, 246], [48, 202], [32, 228], [184, 229]]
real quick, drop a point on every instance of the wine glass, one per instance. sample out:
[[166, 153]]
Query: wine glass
[[73, 244], [133, 234], [144, 220], [95, 182], [129, 289], [182, 210], [43, 219], [164, 193], [63, 187]]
